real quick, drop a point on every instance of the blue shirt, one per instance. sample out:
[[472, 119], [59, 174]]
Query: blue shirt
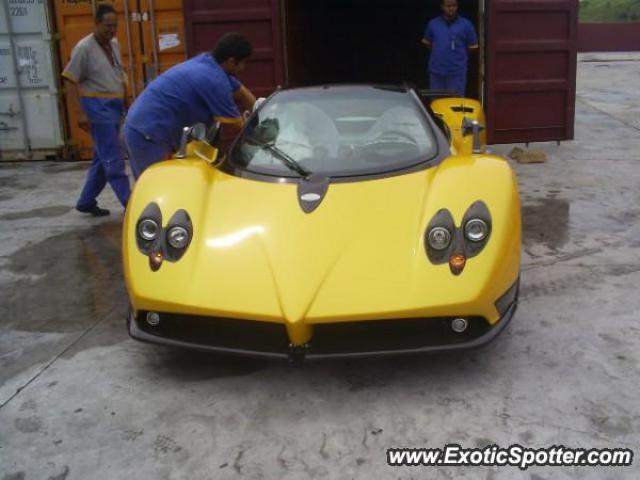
[[450, 44], [197, 90]]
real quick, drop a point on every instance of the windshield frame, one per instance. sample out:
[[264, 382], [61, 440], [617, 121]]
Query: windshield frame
[[441, 148]]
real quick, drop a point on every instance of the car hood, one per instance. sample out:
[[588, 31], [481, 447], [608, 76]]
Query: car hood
[[360, 254]]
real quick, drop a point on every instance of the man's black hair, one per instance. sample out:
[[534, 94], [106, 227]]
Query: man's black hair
[[102, 10], [232, 45]]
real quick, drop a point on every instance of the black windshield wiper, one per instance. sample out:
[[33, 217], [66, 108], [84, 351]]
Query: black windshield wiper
[[287, 160]]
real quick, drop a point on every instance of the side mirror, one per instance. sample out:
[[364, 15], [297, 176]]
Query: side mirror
[[474, 127], [194, 132]]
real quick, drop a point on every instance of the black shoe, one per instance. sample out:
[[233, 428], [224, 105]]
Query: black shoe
[[96, 211]]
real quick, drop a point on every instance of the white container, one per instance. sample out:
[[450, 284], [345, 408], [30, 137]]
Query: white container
[[30, 120]]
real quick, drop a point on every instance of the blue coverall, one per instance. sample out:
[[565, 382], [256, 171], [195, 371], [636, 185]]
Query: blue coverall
[[450, 42], [195, 91]]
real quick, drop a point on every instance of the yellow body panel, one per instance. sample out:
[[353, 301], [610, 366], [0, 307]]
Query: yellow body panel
[[453, 111], [359, 256]]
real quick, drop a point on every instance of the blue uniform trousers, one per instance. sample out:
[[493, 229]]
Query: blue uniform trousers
[[108, 162], [143, 150], [455, 81]]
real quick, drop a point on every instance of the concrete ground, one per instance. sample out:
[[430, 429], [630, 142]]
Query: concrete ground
[[80, 400]]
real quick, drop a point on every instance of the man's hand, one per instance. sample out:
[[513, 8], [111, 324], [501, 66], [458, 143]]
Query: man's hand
[[245, 98], [83, 122]]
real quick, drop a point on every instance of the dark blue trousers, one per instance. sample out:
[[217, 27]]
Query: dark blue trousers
[[143, 151], [108, 160], [456, 82]]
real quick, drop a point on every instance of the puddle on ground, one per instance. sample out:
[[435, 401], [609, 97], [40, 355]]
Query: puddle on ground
[[44, 212], [65, 282], [546, 222], [55, 290]]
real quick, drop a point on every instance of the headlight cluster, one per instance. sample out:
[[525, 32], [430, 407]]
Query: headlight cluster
[[158, 243], [475, 230], [447, 243]]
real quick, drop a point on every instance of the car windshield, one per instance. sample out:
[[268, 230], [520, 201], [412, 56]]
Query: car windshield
[[335, 131]]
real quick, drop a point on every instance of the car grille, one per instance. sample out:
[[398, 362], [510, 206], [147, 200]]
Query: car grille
[[370, 336]]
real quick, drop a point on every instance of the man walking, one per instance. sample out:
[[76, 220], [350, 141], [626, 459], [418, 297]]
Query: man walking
[[202, 89], [450, 38], [97, 93]]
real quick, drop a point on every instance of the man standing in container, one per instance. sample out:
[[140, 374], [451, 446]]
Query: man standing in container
[[97, 93], [203, 89], [450, 38]]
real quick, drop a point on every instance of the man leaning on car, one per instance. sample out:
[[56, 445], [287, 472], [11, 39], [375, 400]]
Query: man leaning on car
[[202, 89]]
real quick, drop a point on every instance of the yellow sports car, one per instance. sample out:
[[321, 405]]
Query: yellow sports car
[[344, 221]]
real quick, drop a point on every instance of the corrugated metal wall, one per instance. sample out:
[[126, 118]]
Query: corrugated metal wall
[[30, 120]]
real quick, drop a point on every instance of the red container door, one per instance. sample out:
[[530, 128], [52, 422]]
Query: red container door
[[258, 20], [531, 70]]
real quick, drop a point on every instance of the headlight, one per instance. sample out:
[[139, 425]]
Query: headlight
[[439, 238], [476, 230], [148, 229], [178, 237]]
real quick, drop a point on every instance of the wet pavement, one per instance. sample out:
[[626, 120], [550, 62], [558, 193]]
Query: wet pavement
[[79, 399]]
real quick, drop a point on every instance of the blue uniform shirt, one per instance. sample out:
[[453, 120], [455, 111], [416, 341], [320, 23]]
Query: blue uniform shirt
[[197, 90], [450, 44]]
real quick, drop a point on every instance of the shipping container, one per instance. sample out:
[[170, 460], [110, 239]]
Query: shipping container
[[151, 37], [531, 70], [163, 37], [30, 119], [524, 72]]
